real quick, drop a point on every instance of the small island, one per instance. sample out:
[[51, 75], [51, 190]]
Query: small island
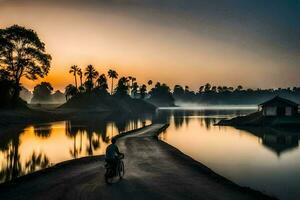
[[278, 111]]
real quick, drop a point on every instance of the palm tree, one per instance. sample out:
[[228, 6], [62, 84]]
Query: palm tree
[[132, 79], [70, 91], [134, 89], [122, 88], [112, 74], [73, 70], [143, 91], [90, 73], [102, 83], [79, 73]]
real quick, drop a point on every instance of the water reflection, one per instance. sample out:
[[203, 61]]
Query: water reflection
[[266, 159], [41, 145], [42, 130], [278, 140]]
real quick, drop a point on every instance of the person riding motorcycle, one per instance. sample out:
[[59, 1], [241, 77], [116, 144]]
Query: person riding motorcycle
[[112, 154]]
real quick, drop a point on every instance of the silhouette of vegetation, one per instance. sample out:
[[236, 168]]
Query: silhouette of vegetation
[[143, 91], [161, 95], [90, 74], [113, 75], [102, 84], [74, 70], [209, 94], [131, 80], [42, 93], [134, 90], [70, 91], [22, 54], [122, 88], [36, 162], [43, 130], [6, 89]]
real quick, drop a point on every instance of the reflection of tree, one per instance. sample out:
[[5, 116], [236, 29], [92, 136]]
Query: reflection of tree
[[42, 130], [13, 167], [178, 120], [162, 117], [187, 120], [89, 148], [121, 125], [36, 162], [207, 122], [72, 131]]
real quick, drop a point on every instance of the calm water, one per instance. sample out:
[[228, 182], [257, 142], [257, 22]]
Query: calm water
[[265, 159], [42, 145]]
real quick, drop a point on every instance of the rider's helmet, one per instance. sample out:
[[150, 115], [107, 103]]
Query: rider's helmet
[[113, 140]]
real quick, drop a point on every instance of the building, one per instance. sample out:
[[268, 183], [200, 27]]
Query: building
[[279, 107]]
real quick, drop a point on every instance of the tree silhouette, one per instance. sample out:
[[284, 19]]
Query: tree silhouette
[[122, 87], [161, 93], [42, 92], [143, 91], [70, 91], [131, 79], [74, 70], [90, 73], [102, 83], [79, 73], [22, 54], [134, 89], [186, 89], [207, 87], [6, 86], [178, 91], [113, 75], [239, 88]]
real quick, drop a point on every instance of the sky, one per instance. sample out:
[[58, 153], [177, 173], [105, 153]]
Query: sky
[[189, 42]]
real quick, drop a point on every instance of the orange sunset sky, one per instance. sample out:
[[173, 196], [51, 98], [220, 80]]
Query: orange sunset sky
[[176, 42]]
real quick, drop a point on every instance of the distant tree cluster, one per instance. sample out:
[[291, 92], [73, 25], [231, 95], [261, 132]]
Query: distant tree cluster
[[209, 94], [43, 93], [95, 83]]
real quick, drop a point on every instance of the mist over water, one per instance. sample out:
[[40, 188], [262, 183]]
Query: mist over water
[[197, 106]]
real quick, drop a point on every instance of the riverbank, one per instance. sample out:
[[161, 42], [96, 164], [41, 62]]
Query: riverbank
[[23, 117], [154, 170], [256, 119]]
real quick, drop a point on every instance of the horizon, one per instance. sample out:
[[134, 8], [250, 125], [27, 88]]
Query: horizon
[[253, 44]]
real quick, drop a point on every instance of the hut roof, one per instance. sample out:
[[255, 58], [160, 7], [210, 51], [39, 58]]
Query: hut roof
[[277, 101]]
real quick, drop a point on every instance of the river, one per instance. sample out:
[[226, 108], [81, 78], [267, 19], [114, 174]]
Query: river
[[267, 160]]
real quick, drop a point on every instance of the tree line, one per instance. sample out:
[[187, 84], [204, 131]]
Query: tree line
[[23, 55], [210, 94], [91, 81]]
